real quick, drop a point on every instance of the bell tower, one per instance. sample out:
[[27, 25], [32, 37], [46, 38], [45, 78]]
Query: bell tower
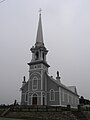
[[38, 67], [39, 51]]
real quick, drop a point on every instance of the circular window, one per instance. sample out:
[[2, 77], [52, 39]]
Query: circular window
[[35, 66]]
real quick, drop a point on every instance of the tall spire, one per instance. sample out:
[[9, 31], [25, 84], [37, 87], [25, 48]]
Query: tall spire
[[39, 51], [39, 37]]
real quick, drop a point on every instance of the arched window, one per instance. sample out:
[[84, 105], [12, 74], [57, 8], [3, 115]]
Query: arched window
[[37, 55], [52, 95], [35, 83], [43, 56]]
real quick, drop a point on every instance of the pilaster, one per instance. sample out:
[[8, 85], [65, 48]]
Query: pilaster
[[59, 96]]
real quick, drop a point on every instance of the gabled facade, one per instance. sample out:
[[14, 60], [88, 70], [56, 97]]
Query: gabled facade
[[42, 89]]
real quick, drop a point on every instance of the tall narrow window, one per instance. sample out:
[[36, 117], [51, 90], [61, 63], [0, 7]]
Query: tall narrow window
[[35, 83], [52, 95], [37, 56], [43, 56]]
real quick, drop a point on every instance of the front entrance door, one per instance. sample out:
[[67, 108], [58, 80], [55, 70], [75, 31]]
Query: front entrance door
[[34, 99]]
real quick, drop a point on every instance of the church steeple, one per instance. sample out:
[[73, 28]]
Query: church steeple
[[39, 51], [39, 37]]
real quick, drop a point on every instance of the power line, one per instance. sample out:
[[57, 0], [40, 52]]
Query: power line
[[2, 1]]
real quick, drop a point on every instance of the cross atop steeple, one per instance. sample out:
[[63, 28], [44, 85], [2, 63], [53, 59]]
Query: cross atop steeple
[[40, 10]]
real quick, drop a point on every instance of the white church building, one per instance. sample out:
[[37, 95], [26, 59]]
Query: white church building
[[40, 88]]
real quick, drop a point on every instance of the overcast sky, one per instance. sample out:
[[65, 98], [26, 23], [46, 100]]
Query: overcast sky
[[66, 31]]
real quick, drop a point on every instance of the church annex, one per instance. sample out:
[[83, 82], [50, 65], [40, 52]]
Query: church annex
[[40, 88]]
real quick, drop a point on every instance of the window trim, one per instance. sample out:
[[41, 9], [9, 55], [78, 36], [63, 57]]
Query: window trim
[[35, 78], [53, 96]]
